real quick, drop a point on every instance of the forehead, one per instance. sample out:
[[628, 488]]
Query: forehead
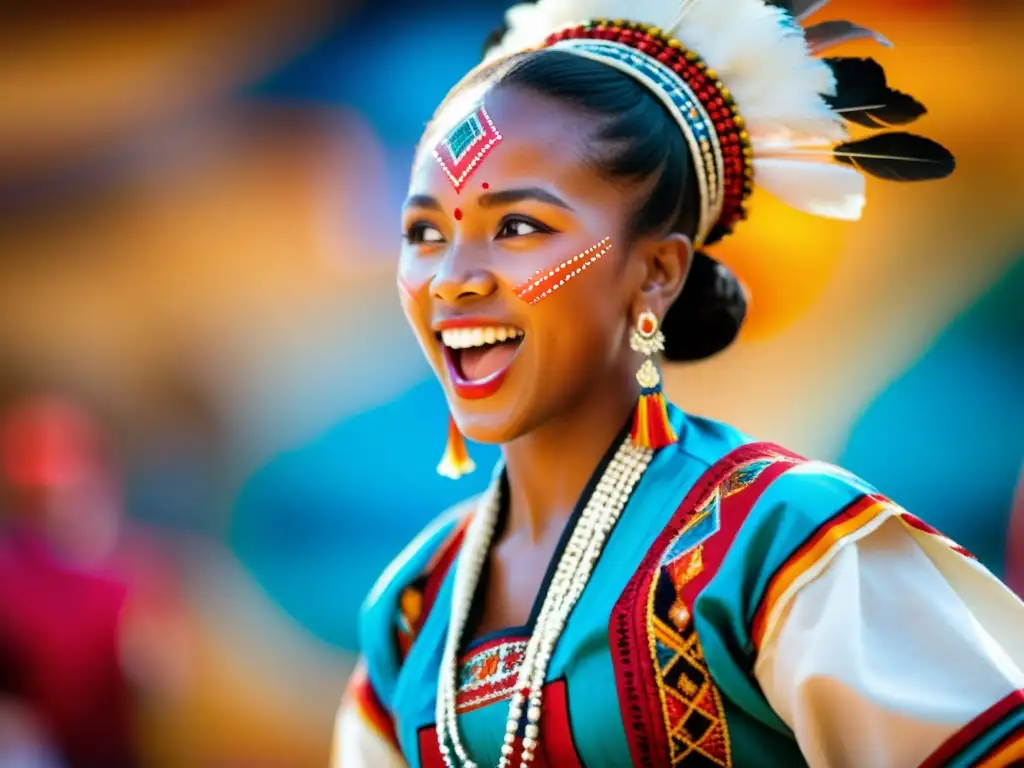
[[540, 139]]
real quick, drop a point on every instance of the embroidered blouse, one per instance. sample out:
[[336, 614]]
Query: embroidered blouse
[[751, 608]]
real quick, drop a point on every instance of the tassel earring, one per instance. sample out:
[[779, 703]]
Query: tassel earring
[[456, 462], [651, 426]]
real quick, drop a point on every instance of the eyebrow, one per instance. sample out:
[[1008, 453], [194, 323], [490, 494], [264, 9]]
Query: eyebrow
[[422, 201], [507, 196], [494, 199]]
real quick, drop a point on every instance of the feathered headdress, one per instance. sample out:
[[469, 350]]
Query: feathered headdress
[[755, 102]]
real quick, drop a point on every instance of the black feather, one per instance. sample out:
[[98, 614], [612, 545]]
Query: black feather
[[827, 34], [493, 39], [863, 97], [898, 157], [801, 9]]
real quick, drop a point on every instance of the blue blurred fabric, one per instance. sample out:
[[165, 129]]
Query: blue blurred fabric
[[946, 439]]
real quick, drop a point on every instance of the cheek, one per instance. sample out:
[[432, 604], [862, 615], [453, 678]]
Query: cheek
[[415, 274], [413, 282], [580, 326], [561, 274]]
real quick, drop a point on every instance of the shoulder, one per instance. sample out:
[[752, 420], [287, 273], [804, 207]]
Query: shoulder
[[402, 596], [794, 529]]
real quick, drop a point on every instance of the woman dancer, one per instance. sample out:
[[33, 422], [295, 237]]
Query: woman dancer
[[640, 586]]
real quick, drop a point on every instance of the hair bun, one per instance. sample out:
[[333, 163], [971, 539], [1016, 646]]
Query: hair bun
[[707, 316]]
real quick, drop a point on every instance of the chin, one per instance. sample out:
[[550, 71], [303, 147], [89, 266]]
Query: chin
[[495, 427]]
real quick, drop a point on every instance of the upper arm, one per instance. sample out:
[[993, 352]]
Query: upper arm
[[388, 623], [364, 733], [899, 648]]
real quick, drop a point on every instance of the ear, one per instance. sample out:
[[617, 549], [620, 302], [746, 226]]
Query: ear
[[666, 263]]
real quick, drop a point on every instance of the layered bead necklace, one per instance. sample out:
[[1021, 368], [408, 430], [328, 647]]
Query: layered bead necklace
[[572, 573]]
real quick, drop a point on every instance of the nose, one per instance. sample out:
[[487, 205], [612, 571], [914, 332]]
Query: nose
[[461, 277]]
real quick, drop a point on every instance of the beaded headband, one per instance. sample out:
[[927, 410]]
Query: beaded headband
[[755, 102], [699, 102]]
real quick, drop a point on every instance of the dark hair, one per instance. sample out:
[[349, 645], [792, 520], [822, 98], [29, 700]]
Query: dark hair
[[636, 139]]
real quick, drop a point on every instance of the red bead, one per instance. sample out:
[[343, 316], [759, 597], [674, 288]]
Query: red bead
[[679, 69], [647, 326], [664, 57]]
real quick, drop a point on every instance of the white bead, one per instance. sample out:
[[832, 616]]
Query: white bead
[[573, 572]]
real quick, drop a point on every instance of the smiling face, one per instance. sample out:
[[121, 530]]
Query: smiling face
[[520, 283]]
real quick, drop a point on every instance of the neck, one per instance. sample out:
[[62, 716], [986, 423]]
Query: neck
[[549, 468]]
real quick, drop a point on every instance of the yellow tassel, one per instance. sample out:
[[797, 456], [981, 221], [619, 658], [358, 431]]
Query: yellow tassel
[[456, 462], [651, 425]]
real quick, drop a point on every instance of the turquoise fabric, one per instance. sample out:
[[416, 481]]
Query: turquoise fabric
[[796, 504]]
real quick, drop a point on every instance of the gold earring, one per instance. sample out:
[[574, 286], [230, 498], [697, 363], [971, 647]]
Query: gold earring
[[651, 425]]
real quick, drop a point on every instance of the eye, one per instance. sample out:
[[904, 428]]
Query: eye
[[520, 226], [421, 232]]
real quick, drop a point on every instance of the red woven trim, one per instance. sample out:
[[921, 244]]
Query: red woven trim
[[969, 734], [634, 670], [439, 566]]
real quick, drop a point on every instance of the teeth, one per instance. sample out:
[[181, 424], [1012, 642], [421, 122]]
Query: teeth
[[461, 338]]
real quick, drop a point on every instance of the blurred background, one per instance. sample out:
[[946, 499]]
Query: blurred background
[[215, 428]]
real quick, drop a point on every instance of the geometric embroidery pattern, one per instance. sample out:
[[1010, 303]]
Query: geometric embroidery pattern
[[691, 704], [461, 151], [489, 674]]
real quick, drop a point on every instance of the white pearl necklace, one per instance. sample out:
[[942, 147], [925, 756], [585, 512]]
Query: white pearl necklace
[[572, 573]]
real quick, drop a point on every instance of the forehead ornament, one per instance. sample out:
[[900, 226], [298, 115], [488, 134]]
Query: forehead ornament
[[460, 152]]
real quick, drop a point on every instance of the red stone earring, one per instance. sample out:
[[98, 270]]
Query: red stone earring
[[651, 425]]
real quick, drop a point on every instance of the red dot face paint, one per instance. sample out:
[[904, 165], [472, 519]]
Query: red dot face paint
[[458, 214], [486, 185], [545, 282]]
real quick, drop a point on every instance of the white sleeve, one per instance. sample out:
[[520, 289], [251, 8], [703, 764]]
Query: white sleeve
[[897, 650], [363, 734]]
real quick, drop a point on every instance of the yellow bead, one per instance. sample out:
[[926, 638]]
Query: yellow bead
[[747, 152], [726, 93], [712, 74], [739, 121], [654, 31], [691, 56], [618, 22], [673, 43]]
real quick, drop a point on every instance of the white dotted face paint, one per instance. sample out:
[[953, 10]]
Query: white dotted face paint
[[462, 150], [544, 282]]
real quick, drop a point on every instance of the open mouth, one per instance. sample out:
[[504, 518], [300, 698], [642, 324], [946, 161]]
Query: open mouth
[[479, 357]]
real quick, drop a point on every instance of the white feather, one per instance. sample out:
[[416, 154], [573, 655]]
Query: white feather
[[762, 56], [822, 189]]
